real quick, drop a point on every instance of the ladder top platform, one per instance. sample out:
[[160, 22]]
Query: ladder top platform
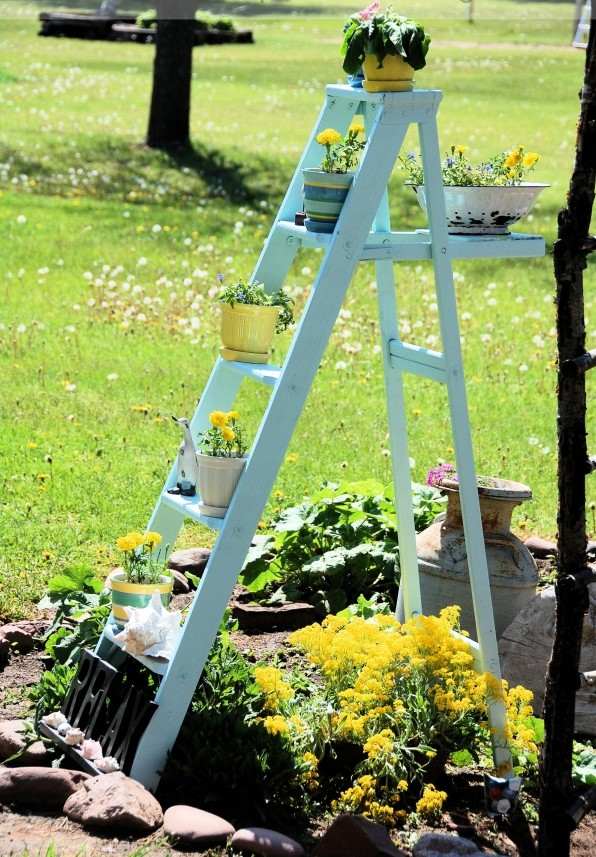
[[418, 245], [413, 98]]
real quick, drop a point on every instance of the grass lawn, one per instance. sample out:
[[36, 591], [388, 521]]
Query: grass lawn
[[109, 253]]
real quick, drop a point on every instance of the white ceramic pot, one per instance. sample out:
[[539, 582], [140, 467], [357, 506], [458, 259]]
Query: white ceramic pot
[[485, 210], [218, 478]]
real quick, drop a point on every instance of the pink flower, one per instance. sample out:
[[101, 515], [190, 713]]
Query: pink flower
[[370, 11]]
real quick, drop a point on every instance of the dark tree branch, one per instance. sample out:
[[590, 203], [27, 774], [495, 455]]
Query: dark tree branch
[[569, 261]]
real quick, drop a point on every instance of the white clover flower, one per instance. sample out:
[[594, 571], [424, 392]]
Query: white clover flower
[[21, 219]]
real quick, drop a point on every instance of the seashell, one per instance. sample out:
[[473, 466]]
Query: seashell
[[91, 750], [74, 737], [54, 720], [63, 728], [107, 765]]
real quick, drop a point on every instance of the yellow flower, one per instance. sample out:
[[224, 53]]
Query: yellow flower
[[130, 541], [228, 434], [460, 150], [152, 539], [275, 725], [328, 137], [233, 415], [218, 419], [271, 684], [356, 128], [431, 802], [513, 158], [530, 159]]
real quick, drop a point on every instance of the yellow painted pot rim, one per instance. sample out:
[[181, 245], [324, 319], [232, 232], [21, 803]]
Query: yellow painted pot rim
[[116, 583]]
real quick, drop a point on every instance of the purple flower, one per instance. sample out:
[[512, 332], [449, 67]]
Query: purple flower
[[219, 277], [449, 162], [436, 475]]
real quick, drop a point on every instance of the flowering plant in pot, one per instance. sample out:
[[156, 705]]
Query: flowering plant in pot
[[143, 572], [326, 187], [250, 317], [221, 458], [387, 46], [484, 198]]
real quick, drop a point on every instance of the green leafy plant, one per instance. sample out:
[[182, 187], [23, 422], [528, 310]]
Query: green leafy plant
[[506, 169], [382, 34], [341, 153], [225, 438], [254, 294], [335, 546], [50, 691], [584, 764]]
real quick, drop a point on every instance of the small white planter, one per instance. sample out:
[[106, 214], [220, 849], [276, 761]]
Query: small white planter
[[218, 478], [484, 210]]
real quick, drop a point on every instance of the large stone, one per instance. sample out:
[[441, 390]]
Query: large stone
[[116, 802], [195, 827], [268, 843], [14, 740], [180, 583], [445, 845], [190, 559], [541, 548], [525, 649], [286, 617], [23, 636], [356, 836], [40, 787]]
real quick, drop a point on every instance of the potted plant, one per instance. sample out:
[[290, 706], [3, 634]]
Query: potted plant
[[485, 198], [388, 48], [326, 187], [250, 317], [221, 457], [142, 573]]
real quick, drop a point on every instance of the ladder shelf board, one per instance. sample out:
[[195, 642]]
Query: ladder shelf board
[[263, 373], [415, 97], [159, 666], [188, 507], [416, 246]]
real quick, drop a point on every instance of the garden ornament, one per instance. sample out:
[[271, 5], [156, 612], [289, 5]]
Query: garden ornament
[[187, 465]]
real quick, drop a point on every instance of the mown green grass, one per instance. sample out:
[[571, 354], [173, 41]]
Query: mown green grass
[[83, 453]]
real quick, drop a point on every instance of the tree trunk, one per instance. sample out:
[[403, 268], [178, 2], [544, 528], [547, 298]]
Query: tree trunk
[[570, 251], [169, 117]]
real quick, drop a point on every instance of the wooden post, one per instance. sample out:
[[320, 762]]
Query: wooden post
[[169, 116], [570, 251]]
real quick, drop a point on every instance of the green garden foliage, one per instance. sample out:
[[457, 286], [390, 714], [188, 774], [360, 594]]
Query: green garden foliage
[[383, 34]]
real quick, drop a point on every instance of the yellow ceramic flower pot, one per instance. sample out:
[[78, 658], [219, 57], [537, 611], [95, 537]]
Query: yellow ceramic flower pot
[[247, 331], [395, 75], [125, 594]]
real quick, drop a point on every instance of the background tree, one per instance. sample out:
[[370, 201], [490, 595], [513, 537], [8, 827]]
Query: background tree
[[169, 116], [558, 815]]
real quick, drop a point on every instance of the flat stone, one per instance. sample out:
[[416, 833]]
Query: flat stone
[[35, 786], [285, 617], [525, 648], [356, 836], [181, 584], [541, 548], [116, 802], [23, 636], [268, 843], [445, 845], [190, 559], [191, 826], [14, 739]]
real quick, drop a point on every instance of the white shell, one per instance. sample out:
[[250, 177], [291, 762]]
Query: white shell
[[63, 728], [107, 765], [54, 720], [74, 737], [91, 750]]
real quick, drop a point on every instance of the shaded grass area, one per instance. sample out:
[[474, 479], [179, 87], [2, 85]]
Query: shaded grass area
[[110, 251]]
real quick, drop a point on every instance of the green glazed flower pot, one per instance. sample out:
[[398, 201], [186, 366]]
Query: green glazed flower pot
[[125, 594]]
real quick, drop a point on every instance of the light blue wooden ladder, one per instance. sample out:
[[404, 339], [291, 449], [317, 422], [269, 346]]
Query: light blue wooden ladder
[[363, 232]]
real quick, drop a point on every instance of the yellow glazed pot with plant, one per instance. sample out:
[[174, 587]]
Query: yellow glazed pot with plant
[[221, 462], [387, 47], [250, 317], [143, 572]]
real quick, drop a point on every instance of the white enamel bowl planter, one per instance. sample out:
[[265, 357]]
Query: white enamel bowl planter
[[487, 210], [218, 477]]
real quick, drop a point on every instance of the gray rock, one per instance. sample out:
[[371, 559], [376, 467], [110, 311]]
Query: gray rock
[[180, 583], [541, 548], [447, 845], [116, 802], [356, 836], [196, 827], [34, 786], [268, 843], [190, 559], [14, 738], [23, 636], [525, 648]]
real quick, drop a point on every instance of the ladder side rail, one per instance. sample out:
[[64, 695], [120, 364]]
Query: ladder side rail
[[306, 351], [278, 253], [462, 438], [398, 425]]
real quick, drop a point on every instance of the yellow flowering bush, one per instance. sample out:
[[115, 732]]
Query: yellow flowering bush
[[140, 563], [431, 802], [225, 438], [271, 684], [503, 169]]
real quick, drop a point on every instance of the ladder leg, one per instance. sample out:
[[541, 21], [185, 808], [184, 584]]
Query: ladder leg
[[475, 548], [274, 434]]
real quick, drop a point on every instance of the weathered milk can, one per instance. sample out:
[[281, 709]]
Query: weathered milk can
[[442, 558]]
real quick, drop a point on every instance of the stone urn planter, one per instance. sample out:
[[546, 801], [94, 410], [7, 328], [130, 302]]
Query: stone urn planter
[[442, 557]]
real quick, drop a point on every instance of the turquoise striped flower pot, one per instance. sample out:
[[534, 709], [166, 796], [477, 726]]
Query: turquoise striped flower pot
[[126, 594], [324, 195]]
